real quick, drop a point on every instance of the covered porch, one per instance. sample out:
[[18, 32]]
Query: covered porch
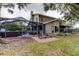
[[65, 29]]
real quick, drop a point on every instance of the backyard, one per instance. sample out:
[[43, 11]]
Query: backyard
[[66, 45]]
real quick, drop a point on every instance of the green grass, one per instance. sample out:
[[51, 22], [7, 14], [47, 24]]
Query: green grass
[[68, 45], [65, 46]]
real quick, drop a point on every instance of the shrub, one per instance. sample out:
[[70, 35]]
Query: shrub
[[13, 27], [62, 34]]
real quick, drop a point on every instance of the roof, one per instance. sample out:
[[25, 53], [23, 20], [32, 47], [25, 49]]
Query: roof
[[50, 21], [59, 21], [4, 20], [17, 18], [45, 16]]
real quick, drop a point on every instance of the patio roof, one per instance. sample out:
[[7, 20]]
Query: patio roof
[[17, 19], [11, 20]]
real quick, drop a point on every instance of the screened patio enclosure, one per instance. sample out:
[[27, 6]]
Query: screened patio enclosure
[[5, 21], [35, 27]]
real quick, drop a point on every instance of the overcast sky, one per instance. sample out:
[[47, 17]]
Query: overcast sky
[[36, 7]]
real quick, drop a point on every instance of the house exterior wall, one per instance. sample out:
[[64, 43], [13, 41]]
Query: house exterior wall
[[38, 18], [44, 19], [35, 18], [51, 27]]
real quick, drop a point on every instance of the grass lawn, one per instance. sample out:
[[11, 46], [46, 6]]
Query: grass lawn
[[67, 45]]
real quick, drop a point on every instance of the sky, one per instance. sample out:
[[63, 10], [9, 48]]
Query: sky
[[35, 7]]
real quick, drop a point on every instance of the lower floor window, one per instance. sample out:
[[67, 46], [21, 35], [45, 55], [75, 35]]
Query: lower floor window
[[54, 29]]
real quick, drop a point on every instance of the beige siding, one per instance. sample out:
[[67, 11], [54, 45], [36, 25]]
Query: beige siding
[[45, 19], [36, 18], [50, 26]]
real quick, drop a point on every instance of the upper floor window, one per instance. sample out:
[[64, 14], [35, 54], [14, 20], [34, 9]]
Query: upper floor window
[[36, 19], [41, 19]]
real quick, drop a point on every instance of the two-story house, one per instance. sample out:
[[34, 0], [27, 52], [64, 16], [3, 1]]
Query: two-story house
[[49, 24]]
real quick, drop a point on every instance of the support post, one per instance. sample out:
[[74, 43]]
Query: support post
[[59, 29], [22, 28], [42, 30], [5, 28], [37, 29]]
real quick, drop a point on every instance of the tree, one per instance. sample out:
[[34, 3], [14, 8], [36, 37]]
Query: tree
[[12, 5], [70, 10], [13, 26]]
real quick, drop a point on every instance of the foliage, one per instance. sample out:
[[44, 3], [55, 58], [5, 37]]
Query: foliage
[[70, 10], [61, 34], [11, 6], [13, 27]]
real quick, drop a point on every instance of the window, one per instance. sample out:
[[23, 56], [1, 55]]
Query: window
[[41, 20], [36, 19], [56, 29]]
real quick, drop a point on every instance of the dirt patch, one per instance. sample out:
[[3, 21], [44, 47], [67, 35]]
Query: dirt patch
[[15, 45], [18, 45], [45, 40]]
